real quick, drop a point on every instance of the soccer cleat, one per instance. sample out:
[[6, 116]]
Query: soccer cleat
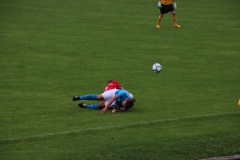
[[82, 105], [75, 98], [177, 26], [157, 26]]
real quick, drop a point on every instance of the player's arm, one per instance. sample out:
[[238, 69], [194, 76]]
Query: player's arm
[[117, 109], [104, 110]]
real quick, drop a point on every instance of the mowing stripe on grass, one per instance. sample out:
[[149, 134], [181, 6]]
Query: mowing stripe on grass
[[91, 14], [116, 126]]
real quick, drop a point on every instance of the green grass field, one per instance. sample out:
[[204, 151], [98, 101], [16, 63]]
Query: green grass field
[[51, 50]]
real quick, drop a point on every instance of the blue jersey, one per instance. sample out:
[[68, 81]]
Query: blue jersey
[[122, 96]]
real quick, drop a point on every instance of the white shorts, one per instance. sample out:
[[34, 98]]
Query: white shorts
[[108, 95]]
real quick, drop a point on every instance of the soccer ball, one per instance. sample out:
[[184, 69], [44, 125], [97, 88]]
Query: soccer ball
[[156, 67]]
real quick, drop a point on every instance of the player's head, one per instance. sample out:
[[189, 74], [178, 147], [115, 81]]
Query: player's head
[[109, 81], [128, 103]]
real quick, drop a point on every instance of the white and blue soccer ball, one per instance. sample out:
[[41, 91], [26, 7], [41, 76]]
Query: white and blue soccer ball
[[157, 67]]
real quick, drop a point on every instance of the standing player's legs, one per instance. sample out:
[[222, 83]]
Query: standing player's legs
[[165, 9]]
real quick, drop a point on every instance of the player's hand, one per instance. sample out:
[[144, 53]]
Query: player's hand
[[104, 110], [175, 5], [114, 111], [159, 4]]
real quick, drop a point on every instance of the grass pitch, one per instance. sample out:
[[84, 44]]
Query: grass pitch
[[51, 51]]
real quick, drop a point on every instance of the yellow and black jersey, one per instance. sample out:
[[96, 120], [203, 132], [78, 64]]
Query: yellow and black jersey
[[166, 2]]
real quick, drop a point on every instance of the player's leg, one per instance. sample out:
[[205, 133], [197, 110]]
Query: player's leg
[[92, 106], [159, 20], [104, 96], [88, 97], [163, 10], [108, 94], [175, 20]]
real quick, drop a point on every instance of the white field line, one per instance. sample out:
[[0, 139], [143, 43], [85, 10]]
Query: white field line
[[91, 14], [115, 126]]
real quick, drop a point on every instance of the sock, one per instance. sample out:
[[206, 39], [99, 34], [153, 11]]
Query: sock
[[174, 20], [92, 106], [88, 97]]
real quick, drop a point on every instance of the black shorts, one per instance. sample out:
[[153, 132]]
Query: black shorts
[[166, 8]]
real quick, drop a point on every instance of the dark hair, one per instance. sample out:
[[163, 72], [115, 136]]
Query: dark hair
[[110, 80], [130, 103]]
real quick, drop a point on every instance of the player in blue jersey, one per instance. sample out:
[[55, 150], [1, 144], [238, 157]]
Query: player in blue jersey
[[118, 99]]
